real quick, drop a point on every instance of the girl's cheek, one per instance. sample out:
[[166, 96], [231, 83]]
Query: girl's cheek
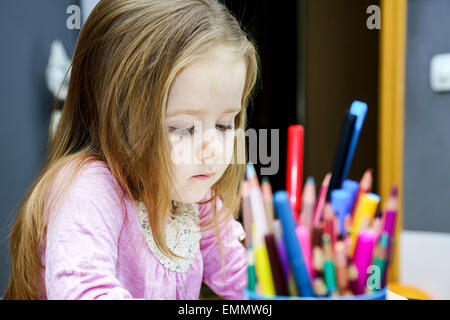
[[228, 147], [182, 149]]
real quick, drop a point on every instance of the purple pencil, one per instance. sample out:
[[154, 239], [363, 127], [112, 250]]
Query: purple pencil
[[390, 218]]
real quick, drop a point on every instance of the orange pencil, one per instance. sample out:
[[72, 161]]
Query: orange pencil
[[329, 223], [308, 203], [267, 195], [341, 266], [322, 198], [365, 186]]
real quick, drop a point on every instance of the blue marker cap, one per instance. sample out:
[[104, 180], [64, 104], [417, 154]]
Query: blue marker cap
[[296, 259], [339, 201], [352, 187], [359, 109]]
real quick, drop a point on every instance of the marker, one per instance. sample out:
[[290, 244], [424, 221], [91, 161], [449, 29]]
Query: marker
[[365, 186], [294, 168], [328, 266], [262, 264], [297, 262], [358, 109], [308, 204], [363, 258], [365, 212], [342, 153], [322, 199], [352, 187], [305, 244], [340, 199]]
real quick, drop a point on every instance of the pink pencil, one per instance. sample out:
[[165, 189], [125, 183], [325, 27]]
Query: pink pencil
[[321, 201]]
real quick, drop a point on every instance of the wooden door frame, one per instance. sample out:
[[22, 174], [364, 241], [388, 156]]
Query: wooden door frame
[[391, 111]]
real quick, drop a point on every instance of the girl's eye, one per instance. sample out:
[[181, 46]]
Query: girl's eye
[[182, 131], [223, 127]]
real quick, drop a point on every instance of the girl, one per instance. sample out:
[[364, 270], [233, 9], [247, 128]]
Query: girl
[[115, 214]]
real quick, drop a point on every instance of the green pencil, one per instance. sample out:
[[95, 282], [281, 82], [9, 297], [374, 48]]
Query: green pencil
[[329, 272], [251, 269]]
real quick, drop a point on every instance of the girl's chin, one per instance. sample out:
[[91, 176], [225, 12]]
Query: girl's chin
[[191, 197]]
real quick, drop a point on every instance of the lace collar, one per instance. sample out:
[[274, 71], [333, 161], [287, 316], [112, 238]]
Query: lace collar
[[182, 235]]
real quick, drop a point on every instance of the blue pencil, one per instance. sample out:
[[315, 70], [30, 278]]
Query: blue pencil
[[284, 212]]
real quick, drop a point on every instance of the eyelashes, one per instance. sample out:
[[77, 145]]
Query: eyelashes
[[182, 131], [190, 131]]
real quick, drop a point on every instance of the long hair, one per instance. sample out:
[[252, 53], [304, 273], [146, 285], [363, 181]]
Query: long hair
[[127, 56]]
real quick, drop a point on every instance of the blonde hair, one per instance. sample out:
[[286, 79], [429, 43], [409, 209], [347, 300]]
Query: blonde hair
[[127, 56]]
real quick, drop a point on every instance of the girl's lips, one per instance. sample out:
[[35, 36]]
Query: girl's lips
[[203, 176]]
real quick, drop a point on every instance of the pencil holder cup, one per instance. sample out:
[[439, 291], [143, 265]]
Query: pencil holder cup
[[378, 295]]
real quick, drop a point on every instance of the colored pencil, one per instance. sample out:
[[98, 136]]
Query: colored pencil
[[268, 202], [308, 204], [246, 213], [365, 186], [321, 200]]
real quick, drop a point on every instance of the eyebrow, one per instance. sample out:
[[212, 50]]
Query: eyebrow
[[200, 111]]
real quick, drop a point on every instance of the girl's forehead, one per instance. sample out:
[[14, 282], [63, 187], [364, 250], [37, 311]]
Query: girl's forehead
[[210, 84]]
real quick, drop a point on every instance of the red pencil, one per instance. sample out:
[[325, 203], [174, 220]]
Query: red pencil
[[294, 168]]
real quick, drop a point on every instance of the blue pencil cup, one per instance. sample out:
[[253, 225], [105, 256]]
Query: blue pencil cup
[[378, 295]]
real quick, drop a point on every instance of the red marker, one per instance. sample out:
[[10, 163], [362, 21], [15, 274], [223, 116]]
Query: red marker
[[294, 168]]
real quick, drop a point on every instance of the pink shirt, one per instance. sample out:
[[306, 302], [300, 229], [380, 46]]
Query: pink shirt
[[93, 251]]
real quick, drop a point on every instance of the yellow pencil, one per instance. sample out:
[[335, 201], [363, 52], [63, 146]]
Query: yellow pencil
[[365, 212], [262, 264]]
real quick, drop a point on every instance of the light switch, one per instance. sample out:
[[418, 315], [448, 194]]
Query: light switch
[[440, 73]]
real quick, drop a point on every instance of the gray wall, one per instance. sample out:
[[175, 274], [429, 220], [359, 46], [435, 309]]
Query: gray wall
[[427, 121], [26, 28]]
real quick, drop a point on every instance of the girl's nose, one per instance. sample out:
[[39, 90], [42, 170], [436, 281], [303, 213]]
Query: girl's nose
[[209, 150]]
